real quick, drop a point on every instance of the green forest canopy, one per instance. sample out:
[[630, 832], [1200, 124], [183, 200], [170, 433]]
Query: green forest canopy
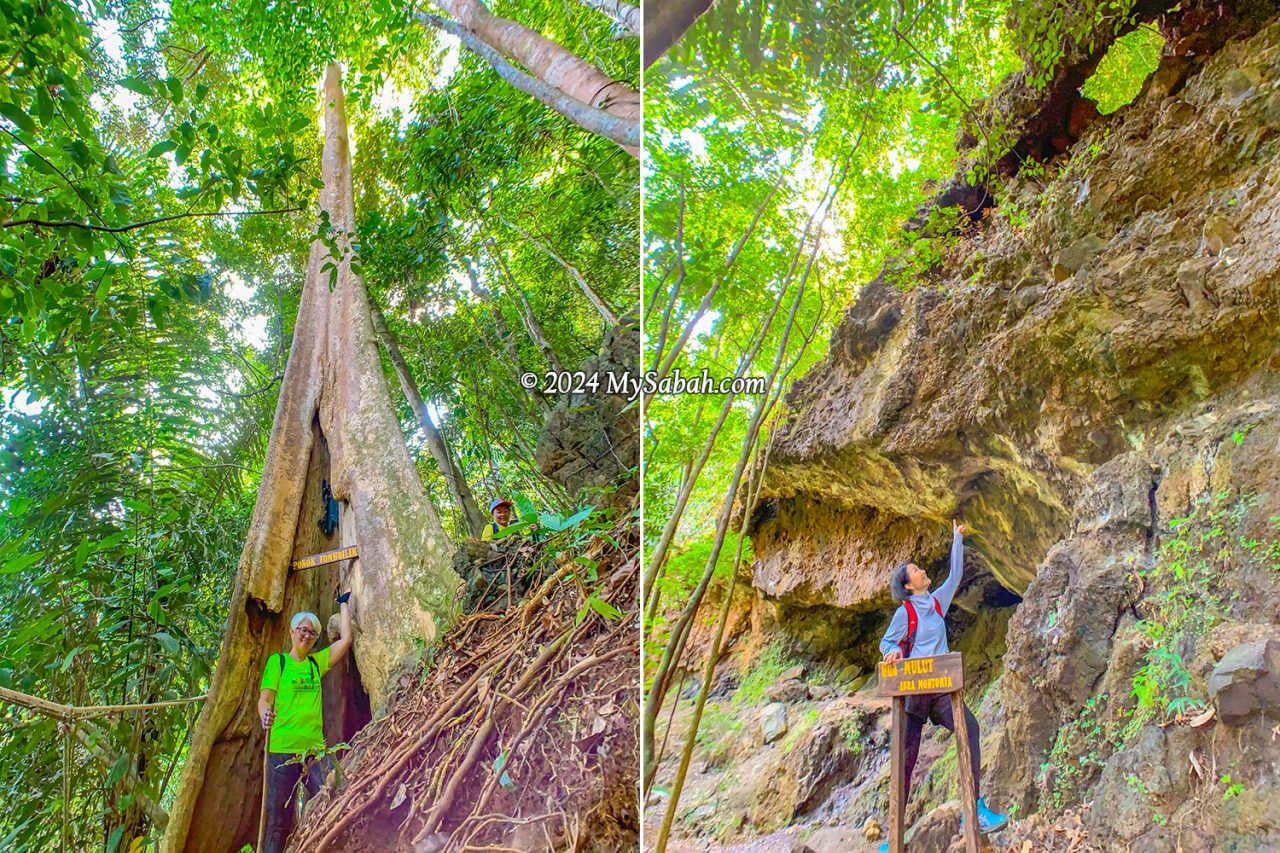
[[158, 180]]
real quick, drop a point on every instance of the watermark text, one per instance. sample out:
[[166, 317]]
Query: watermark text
[[632, 385]]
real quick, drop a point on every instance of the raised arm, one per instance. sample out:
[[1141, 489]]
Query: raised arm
[[947, 591], [342, 645], [889, 648]]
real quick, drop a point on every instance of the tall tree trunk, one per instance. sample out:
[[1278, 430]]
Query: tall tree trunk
[[334, 420], [548, 61], [449, 466]]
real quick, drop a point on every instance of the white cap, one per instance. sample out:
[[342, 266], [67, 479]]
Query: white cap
[[305, 616]]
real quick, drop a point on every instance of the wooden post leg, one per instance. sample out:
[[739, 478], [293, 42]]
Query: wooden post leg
[[897, 777], [968, 785]]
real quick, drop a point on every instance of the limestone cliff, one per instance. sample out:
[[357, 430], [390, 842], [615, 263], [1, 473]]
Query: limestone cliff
[[1090, 380]]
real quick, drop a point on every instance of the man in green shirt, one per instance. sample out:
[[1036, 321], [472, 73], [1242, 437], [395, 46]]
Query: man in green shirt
[[291, 711]]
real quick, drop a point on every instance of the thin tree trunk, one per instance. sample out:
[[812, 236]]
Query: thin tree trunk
[[756, 481], [659, 556], [675, 288], [675, 643], [730, 262], [679, 633], [499, 322], [449, 467], [530, 320], [708, 670], [610, 316]]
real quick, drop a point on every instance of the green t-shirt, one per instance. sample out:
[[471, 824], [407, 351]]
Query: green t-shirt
[[299, 723]]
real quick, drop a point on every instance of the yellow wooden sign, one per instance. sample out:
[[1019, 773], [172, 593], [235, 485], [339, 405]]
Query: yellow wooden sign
[[324, 557], [938, 674]]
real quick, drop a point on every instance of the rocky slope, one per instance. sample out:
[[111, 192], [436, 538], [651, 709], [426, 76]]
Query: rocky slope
[[1091, 380]]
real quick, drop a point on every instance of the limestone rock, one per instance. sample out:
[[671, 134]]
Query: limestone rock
[[1246, 681], [795, 672], [827, 754], [819, 692], [1076, 255], [773, 721], [591, 440], [1228, 635], [935, 830], [793, 690]]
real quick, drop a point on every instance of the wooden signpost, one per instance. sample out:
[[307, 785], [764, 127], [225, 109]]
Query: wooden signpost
[[910, 677], [323, 558]]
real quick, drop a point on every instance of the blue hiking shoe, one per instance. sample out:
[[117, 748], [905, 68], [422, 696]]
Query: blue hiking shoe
[[884, 848], [988, 821]]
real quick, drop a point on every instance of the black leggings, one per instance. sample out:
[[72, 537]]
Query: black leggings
[[282, 788], [937, 708]]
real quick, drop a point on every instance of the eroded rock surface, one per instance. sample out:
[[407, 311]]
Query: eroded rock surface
[[591, 440], [1085, 390]]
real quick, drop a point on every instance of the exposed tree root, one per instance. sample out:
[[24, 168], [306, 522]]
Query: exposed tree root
[[521, 736]]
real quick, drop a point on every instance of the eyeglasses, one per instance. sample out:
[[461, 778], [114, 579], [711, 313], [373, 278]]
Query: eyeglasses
[[306, 632]]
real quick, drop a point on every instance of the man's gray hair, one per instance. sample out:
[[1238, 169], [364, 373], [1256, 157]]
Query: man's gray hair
[[898, 583]]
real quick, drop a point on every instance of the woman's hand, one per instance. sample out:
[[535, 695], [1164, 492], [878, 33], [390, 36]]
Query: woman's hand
[[957, 527], [893, 656]]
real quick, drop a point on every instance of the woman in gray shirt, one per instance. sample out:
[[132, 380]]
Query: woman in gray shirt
[[909, 585]]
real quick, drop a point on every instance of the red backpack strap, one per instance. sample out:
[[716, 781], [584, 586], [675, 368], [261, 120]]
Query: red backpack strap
[[938, 607], [910, 639]]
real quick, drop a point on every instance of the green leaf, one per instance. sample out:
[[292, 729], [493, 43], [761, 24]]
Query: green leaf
[[181, 153], [162, 148], [19, 563], [136, 84], [18, 116], [71, 656], [83, 550], [117, 771], [174, 85], [170, 644], [604, 608], [120, 196]]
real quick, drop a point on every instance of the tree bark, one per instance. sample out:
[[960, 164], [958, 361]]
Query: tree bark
[[665, 21], [626, 16], [625, 132], [547, 60], [334, 417], [449, 467]]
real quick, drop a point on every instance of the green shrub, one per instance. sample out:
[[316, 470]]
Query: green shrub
[[772, 662]]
